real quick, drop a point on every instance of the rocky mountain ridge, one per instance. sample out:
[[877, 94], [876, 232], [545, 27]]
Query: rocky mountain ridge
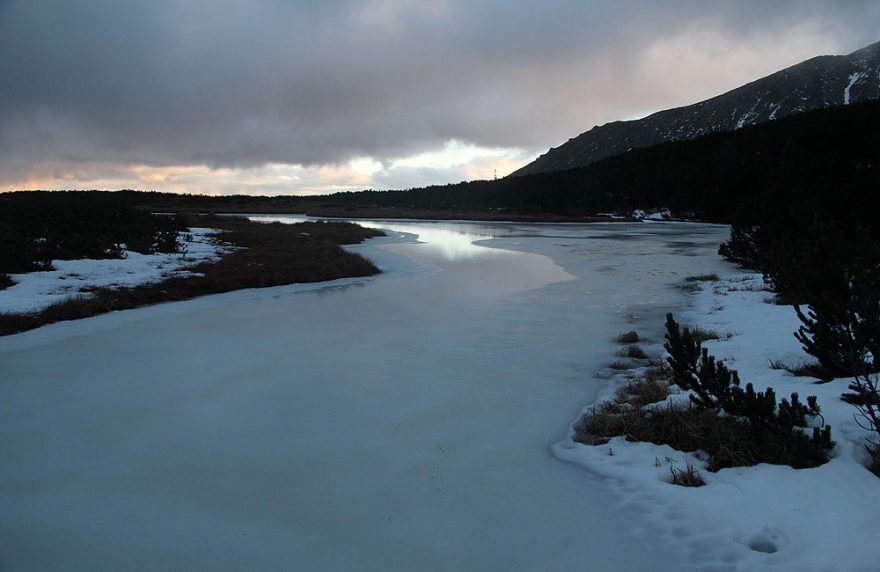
[[819, 82]]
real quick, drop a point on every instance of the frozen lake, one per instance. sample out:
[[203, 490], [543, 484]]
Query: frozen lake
[[400, 422]]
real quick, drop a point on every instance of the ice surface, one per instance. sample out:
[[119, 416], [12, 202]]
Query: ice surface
[[34, 291], [452, 241], [403, 421]]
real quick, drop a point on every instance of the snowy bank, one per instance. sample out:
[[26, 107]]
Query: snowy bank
[[766, 516], [34, 291]]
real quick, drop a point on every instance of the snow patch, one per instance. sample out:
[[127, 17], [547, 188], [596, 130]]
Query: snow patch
[[853, 78], [653, 214], [767, 516], [34, 291], [747, 117]]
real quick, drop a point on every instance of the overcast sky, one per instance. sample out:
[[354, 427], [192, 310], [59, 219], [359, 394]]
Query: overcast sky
[[272, 96]]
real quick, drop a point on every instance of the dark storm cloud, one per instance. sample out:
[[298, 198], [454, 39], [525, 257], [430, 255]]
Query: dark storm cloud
[[239, 84]]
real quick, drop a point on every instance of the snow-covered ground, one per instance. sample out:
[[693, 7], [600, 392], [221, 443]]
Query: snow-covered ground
[[657, 214], [754, 518], [34, 291]]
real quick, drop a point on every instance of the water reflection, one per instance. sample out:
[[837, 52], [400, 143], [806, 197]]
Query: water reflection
[[455, 240], [451, 241]]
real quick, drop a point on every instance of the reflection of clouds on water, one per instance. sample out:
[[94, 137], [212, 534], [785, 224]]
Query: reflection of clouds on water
[[452, 241], [286, 219]]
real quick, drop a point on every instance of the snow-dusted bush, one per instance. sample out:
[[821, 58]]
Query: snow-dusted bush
[[714, 386], [823, 255]]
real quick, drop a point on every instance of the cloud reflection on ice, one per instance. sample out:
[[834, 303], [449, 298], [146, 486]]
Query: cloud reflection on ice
[[451, 241]]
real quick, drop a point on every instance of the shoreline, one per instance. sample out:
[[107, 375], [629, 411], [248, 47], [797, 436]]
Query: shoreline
[[393, 214]]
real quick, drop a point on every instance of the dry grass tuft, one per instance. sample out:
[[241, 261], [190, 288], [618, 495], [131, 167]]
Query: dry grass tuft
[[803, 369], [630, 337], [703, 278], [632, 351], [641, 392], [702, 335], [687, 477], [622, 365]]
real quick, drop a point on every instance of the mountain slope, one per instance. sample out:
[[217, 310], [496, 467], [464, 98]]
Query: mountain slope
[[819, 82]]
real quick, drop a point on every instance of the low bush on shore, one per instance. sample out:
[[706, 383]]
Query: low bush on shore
[[734, 426]]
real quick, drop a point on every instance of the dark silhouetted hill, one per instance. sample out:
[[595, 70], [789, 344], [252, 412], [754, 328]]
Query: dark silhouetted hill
[[817, 83]]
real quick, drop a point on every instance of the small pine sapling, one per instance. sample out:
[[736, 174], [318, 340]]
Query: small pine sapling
[[684, 351]]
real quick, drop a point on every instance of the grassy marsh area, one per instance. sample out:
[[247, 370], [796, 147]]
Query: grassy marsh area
[[264, 255]]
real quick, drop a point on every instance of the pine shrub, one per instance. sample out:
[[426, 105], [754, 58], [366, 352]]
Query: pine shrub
[[714, 386], [843, 332]]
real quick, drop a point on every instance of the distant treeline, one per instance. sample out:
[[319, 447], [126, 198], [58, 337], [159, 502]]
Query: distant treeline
[[816, 160], [39, 226], [723, 177]]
